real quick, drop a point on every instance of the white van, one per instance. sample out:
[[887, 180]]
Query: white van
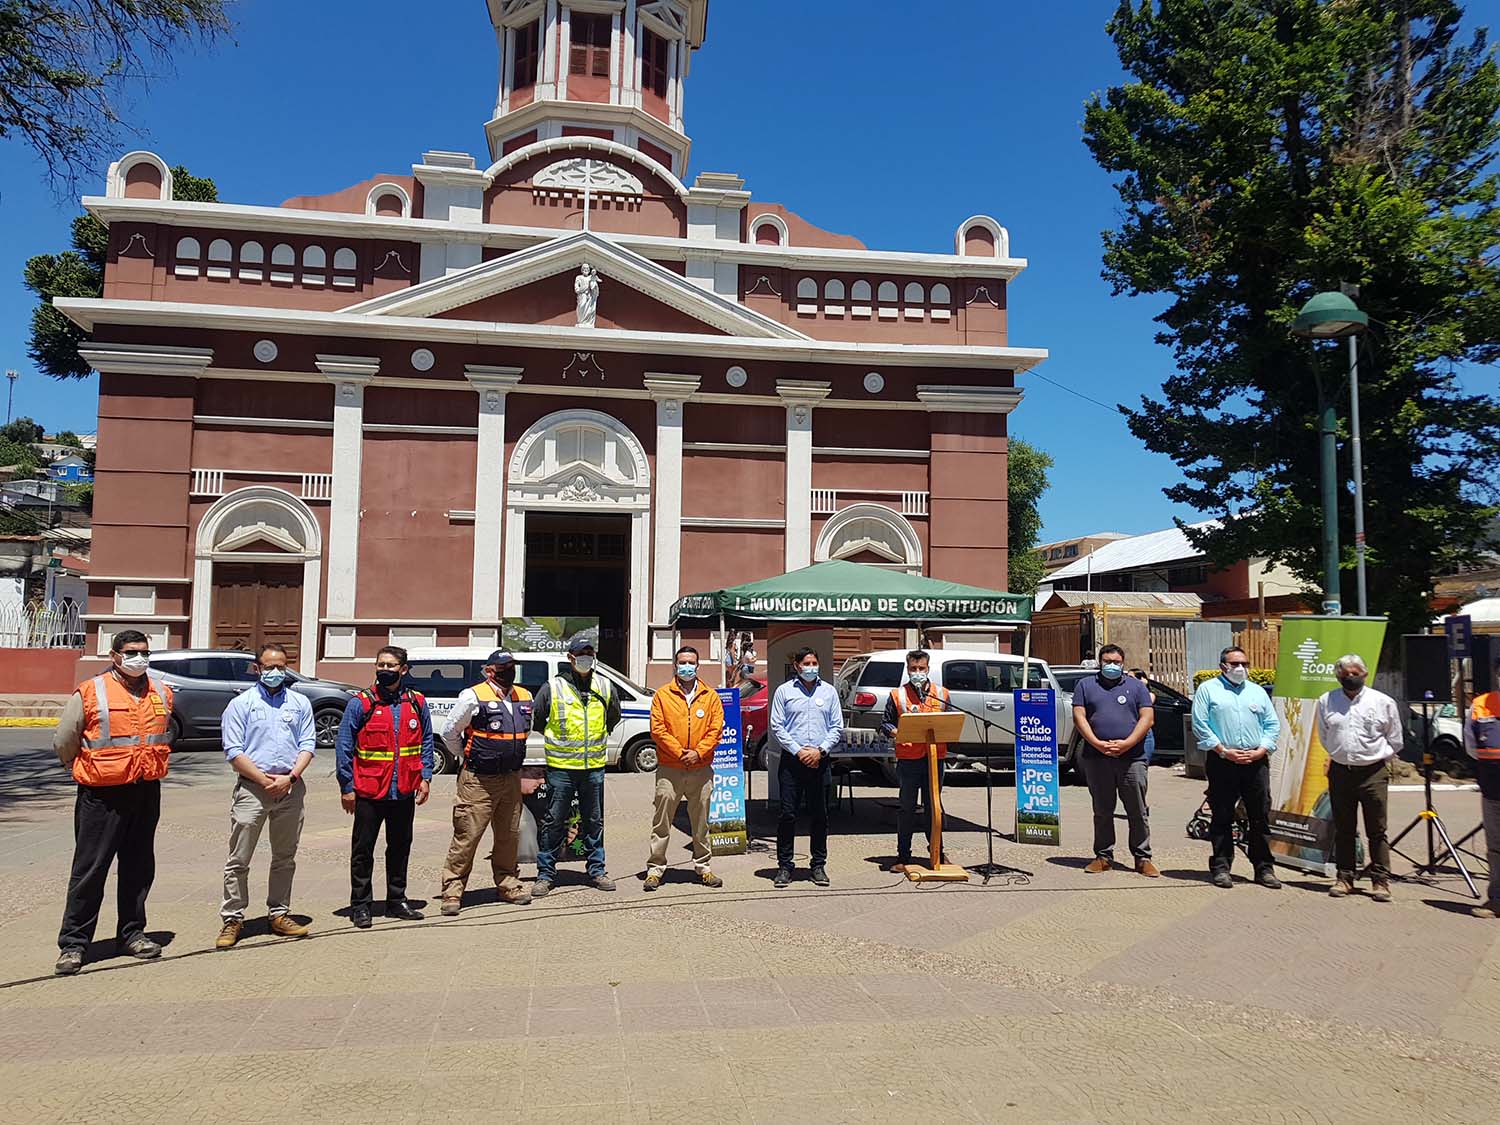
[[441, 673]]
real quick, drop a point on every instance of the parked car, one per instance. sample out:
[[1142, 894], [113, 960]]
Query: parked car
[[203, 681], [441, 673], [977, 682], [1171, 707], [755, 719]]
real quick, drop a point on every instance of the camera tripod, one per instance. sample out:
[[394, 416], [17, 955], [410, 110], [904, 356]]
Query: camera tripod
[[1434, 823]]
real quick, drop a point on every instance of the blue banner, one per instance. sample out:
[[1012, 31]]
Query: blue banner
[[726, 805], [1038, 801]]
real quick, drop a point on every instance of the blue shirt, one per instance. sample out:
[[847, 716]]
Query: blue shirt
[[270, 728], [349, 728], [1240, 718], [1113, 707], [802, 716]]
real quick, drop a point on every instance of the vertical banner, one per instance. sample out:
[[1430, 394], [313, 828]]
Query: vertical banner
[[1038, 802], [726, 805], [1301, 816]]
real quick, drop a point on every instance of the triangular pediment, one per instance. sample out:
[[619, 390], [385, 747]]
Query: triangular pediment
[[537, 268]]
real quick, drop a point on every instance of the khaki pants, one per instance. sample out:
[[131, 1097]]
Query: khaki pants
[[674, 786], [249, 810], [482, 801]]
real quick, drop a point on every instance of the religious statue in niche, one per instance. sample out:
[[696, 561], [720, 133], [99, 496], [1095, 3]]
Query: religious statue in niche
[[586, 290]]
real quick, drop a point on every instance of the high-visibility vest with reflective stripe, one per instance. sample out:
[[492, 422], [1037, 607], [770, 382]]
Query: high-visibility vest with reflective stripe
[[576, 735], [495, 741], [390, 740], [1484, 717], [125, 738], [934, 700]]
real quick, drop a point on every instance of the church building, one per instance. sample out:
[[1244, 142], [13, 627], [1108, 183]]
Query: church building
[[556, 378]]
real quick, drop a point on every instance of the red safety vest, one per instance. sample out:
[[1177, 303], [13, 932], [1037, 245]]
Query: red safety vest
[[391, 739], [935, 699], [1484, 714]]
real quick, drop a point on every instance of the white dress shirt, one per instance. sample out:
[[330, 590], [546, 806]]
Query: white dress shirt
[[462, 714], [1359, 731]]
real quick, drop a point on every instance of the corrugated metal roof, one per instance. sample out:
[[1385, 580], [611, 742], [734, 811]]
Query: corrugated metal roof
[[1122, 599], [1151, 549]]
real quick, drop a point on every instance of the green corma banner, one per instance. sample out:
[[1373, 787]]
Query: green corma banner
[[1310, 646]]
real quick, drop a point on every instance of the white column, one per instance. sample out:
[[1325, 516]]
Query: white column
[[671, 393], [492, 383], [349, 376], [800, 396]]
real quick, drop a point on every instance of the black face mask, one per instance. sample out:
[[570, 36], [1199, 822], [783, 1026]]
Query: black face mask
[[505, 677], [387, 677], [1352, 683]]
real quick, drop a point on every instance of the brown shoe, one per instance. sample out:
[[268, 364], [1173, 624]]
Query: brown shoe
[[710, 879], [230, 934], [1342, 888], [1381, 892], [1488, 910], [283, 926], [1148, 869], [1099, 864], [451, 907], [517, 898]]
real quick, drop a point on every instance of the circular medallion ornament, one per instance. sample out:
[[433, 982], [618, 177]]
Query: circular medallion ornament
[[422, 359], [874, 382], [736, 376], [266, 350]]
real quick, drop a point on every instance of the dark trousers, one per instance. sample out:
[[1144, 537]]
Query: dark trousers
[[912, 777], [1228, 784], [111, 821], [1351, 788], [369, 815], [1123, 780], [562, 786], [799, 783]]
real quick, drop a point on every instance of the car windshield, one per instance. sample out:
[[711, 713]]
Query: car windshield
[[1069, 680], [750, 687], [882, 673]]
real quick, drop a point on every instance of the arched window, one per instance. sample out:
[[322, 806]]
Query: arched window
[[807, 295], [314, 262], [859, 298], [220, 254], [887, 294], [769, 230], [942, 301], [766, 234], [188, 253], [388, 199], [344, 266], [283, 263], [833, 297], [252, 259], [873, 534], [915, 298]]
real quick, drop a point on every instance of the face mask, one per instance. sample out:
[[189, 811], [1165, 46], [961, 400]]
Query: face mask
[[135, 664], [583, 663], [809, 674], [1352, 683], [505, 677], [1112, 671], [387, 677], [1237, 675], [687, 671], [918, 679], [273, 678]]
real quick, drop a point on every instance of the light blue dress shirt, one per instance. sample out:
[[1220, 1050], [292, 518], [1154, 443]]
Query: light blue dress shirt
[[272, 728], [1240, 718], [801, 718]]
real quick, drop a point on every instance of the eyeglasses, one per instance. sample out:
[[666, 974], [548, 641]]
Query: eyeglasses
[[135, 652], [1237, 663]]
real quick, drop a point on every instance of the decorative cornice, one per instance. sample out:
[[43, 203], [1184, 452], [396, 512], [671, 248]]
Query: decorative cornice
[[146, 359], [807, 392], [349, 368], [485, 378], [981, 400], [664, 386]]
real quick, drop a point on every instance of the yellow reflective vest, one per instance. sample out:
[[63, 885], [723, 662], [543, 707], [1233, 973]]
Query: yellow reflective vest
[[576, 735]]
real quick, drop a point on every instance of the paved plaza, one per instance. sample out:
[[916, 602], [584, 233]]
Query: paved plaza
[[1047, 996]]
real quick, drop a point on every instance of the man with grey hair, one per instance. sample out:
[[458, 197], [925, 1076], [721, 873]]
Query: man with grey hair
[[1361, 730]]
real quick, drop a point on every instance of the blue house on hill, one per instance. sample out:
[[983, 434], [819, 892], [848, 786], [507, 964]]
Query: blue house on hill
[[71, 469]]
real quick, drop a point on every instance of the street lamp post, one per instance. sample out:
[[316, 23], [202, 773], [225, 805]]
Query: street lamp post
[[1333, 316], [11, 376]]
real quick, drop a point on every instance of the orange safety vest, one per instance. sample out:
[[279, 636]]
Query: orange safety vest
[[935, 699], [495, 741], [390, 740], [125, 739], [1484, 714]]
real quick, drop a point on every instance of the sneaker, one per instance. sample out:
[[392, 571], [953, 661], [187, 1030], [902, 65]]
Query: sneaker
[[1488, 910], [229, 936], [1099, 863], [69, 961], [653, 882], [143, 947], [709, 879], [1343, 887], [820, 876], [1148, 869], [1382, 891], [282, 925], [541, 888], [360, 916], [1267, 878], [783, 878], [602, 883], [450, 907], [1223, 879]]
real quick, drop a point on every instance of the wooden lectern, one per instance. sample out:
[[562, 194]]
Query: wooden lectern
[[933, 727]]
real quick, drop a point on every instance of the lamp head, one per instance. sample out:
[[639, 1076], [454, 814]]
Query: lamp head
[[1330, 316]]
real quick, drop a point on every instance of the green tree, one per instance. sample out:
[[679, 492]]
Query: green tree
[[79, 272], [1027, 469], [81, 494], [24, 430], [65, 63], [69, 439], [1268, 149]]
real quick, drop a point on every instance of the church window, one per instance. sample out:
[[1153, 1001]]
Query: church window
[[252, 258], [220, 253], [525, 56], [188, 252], [314, 261], [915, 299], [283, 259], [654, 68], [807, 295], [833, 297], [887, 294], [589, 50], [942, 300], [344, 263]]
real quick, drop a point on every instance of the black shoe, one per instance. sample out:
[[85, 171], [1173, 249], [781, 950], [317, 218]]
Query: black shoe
[[1223, 879], [783, 878], [141, 946], [360, 916], [69, 961], [820, 876], [403, 910], [1267, 878]]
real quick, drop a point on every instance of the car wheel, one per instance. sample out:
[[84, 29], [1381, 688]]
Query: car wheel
[[757, 756], [1446, 748], [640, 756], [174, 733], [326, 726], [444, 761]]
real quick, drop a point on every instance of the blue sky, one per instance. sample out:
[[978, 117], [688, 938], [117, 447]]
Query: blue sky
[[882, 119]]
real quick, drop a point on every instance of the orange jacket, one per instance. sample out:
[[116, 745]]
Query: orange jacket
[[677, 725], [125, 739], [935, 700]]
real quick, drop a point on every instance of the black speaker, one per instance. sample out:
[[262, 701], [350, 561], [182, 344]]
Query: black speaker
[[1484, 650], [1425, 661]]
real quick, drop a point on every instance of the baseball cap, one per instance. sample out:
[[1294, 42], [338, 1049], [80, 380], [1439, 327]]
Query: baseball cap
[[500, 656], [579, 643]]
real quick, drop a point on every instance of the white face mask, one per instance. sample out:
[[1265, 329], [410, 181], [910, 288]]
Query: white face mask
[[1237, 675], [583, 663], [918, 680], [135, 663]]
